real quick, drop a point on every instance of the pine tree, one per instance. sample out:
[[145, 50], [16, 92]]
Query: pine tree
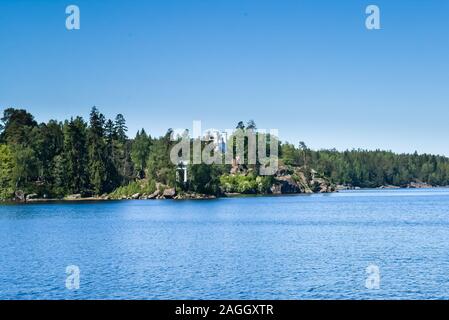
[[97, 152], [75, 156], [140, 151], [121, 128]]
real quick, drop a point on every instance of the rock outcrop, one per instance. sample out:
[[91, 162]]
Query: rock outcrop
[[320, 184], [154, 195], [285, 185], [419, 185], [169, 193], [162, 192], [19, 195], [299, 180], [73, 197], [135, 196]]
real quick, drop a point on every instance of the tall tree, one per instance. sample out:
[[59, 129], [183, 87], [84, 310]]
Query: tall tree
[[113, 178], [17, 125], [159, 166], [25, 170], [6, 170], [304, 150], [121, 128], [140, 151], [97, 152], [75, 156], [47, 144]]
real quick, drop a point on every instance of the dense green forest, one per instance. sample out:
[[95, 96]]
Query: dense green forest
[[96, 157], [371, 169]]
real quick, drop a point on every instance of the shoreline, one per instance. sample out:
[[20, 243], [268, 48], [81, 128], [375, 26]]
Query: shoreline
[[202, 197]]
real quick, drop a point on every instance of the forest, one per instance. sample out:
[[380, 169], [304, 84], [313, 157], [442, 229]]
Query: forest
[[96, 157]]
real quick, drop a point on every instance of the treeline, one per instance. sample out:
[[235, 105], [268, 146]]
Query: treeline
[[90, 158], [370, 169], [96, 157], [58, 158]]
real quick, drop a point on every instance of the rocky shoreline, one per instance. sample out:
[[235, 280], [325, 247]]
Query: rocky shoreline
[[286, 181], [192, 196], [411, 185]]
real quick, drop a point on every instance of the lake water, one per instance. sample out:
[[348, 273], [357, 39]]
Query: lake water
[[292, 247]]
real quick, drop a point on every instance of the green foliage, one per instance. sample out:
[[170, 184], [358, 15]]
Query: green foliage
[[159, 166], [140, 152], [59, 174], [204, 178], [120, 128], [150, 187], [17, 125], [47, 143], [55, 159], [370, 169], [141, 187], [290, 155], [6, 169], [247, 184], [126, 191], [74, 159], [25, 170], [97, 152]]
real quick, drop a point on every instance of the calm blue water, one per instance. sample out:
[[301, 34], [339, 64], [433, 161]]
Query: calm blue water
[[296, 247]]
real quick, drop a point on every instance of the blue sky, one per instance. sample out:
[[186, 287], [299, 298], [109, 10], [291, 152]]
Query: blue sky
[[308, 68]]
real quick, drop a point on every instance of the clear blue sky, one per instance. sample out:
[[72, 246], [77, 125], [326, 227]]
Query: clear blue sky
[[308, 68]]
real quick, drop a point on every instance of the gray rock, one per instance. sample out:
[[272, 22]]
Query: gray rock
[[19, 195], [285, 185], [154, 195], [169, 193], [276, 189], [31, 196], [135, 196], [419, 185], [73, 197]]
